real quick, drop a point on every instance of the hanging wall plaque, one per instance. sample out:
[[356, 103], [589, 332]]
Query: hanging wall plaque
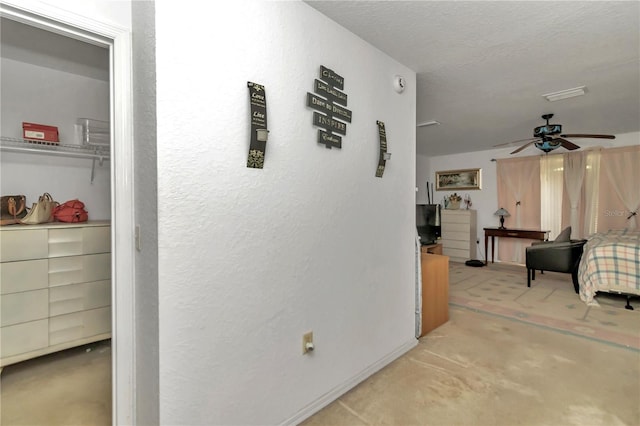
[[330, 102], [382, 159], [259, 132]]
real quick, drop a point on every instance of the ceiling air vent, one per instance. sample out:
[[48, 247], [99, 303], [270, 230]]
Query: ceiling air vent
[[565, 94]]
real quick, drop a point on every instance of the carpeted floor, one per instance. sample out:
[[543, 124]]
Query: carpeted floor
[[551, 301], [67, 388]]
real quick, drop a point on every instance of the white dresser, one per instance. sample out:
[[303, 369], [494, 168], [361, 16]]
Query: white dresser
[[55, 288], [459, 234]]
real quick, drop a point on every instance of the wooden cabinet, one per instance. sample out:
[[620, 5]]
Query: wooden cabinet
[[435, 291], [431, 248], [55, 288], [459, 234]]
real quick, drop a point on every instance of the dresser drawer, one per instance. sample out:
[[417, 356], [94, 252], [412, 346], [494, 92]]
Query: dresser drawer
[[96, 239], [461, 217], [79, 325], [22, 338], [462, 245], [23, 276], [23, 244], [455, 227], [65, 242], [78, 241], [456, 253], [25, 306], [456, 236], [79, 269], [67, 299]]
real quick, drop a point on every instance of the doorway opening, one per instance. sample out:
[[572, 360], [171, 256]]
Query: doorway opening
[[118, 171]]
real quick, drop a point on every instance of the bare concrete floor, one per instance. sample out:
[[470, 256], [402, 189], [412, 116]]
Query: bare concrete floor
[[477, 369], [480, 369]]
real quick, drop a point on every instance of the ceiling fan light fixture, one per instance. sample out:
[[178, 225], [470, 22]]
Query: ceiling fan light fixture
[[429, 123], [565, 94]]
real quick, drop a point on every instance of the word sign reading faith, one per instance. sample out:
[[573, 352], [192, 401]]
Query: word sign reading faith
[[330, 102]]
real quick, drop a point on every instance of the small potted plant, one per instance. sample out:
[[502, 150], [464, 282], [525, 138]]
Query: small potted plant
[[454, 201]]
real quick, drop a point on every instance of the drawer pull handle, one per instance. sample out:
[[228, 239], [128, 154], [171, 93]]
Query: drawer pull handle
[[512, 234]]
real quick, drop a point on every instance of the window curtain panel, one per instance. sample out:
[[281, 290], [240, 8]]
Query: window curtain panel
[[519, 194], [551, 191], [619, 194], [575, 165], [591, 192]]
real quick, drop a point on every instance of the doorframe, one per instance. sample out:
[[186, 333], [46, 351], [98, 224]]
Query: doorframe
[[118, 40]]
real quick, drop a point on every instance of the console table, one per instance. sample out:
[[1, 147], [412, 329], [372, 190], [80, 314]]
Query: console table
[[531, 234]]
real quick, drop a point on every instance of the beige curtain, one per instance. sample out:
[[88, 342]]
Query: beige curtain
[[551, 190], [591, 192], [619, 189], [607, 182], [574, 171], [519, 194]]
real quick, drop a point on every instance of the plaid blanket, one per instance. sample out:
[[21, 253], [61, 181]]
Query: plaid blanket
[[610, 262]]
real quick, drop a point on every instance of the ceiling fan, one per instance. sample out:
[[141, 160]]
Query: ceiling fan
[[548, 137]]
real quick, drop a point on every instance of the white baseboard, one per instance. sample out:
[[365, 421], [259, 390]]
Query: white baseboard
[[341, 389]]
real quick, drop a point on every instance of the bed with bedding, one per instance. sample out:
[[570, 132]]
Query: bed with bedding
[[610, 263]]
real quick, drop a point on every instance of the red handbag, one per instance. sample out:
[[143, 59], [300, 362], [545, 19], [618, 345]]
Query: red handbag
[[71, 211]]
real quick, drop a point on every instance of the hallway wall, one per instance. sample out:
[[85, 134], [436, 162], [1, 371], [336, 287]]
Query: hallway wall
[[251, 259]]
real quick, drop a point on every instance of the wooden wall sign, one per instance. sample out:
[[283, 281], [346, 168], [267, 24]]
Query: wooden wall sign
[[330, 102], [259, 132], [382, 159]]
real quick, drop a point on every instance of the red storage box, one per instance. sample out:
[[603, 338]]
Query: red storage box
[[40, 132]]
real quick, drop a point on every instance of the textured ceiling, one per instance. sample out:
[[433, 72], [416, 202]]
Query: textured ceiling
[[482, 67]]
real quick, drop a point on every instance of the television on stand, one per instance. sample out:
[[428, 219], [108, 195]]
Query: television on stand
[[428, 223]]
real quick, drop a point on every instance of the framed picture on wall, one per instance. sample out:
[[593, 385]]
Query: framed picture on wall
[[458, 179]]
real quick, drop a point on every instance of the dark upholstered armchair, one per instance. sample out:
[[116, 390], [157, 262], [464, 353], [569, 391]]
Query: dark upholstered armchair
[[556, 257]]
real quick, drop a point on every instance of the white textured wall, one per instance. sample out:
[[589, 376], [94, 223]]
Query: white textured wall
[[250, 259], [486, 200], [146, 202]]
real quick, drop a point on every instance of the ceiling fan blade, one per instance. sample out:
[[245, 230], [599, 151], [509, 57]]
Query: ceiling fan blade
[[566, 144], [524, 146], [580, 135], [514, 143]]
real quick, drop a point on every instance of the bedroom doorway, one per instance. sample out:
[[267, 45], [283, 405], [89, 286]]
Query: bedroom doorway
[[117, 41]]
